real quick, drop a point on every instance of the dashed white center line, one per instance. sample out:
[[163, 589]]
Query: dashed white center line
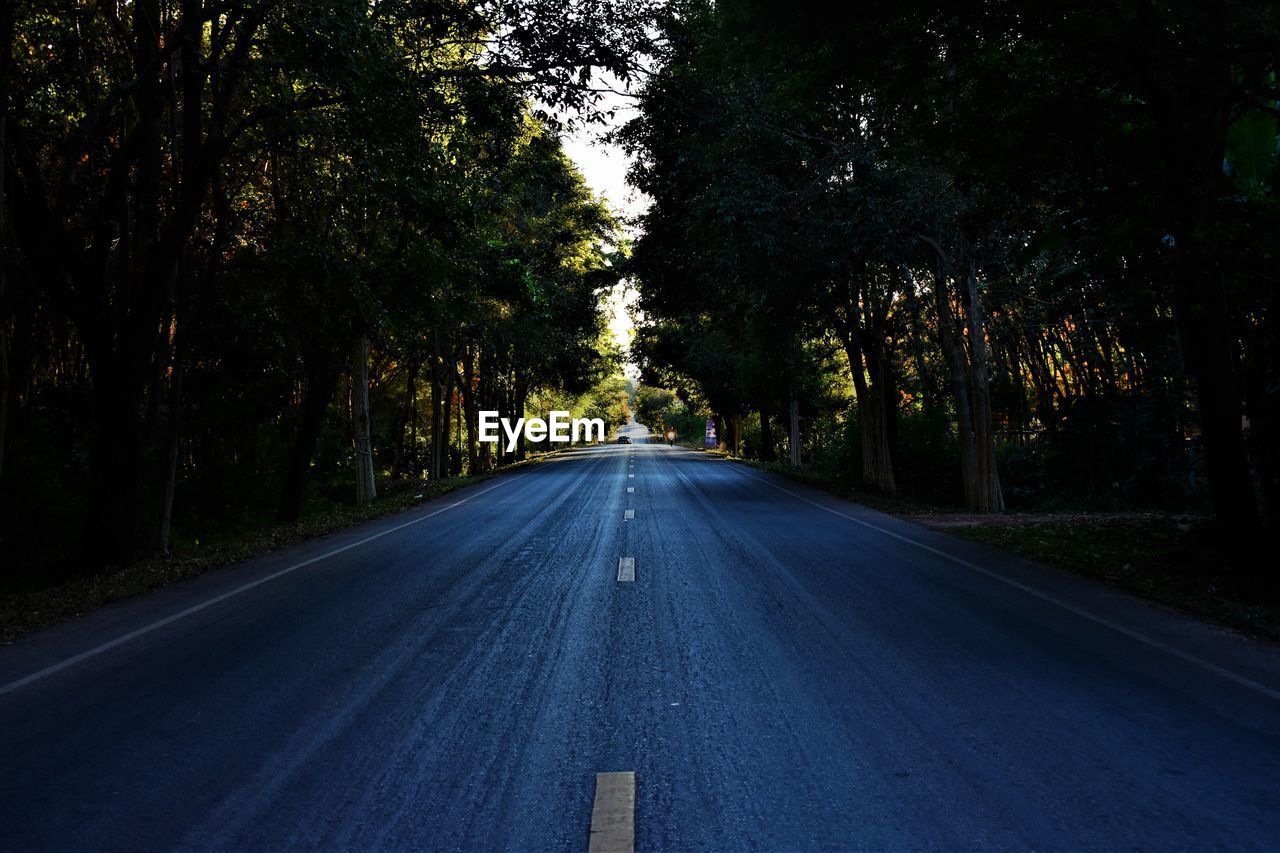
[[613, 817], [630, 489], [626, 568], [629, 514], [631, 475]]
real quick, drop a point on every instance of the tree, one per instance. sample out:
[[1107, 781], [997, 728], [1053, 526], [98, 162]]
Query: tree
[[1039, 210], [217, 143]]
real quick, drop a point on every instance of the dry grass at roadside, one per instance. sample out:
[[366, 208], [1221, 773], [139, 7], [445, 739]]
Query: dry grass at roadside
[[1175, 561], [1171, 560]]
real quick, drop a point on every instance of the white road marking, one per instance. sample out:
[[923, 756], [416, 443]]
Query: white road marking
[[1043, 596], [133, 635], [613, 815], [631, 475], [629, 514], [626, 568], [630, 489]]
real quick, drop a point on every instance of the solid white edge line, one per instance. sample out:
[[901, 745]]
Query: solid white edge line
[[111, 644], [1043, 596]]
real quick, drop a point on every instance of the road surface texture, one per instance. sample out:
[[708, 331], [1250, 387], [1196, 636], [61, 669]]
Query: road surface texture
[[787, 671]]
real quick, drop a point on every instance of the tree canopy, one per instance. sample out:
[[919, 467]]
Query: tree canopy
[[1037, 243], [233, 230], [266, 256]]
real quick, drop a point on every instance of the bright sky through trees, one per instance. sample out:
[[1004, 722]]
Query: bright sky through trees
[[604, 166]]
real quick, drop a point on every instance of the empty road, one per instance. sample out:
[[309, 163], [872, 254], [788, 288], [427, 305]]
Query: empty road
[[785, 671]]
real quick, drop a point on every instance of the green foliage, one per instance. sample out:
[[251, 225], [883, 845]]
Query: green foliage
[[1084, 198], [654, 405], [207, 206], [609, 401]]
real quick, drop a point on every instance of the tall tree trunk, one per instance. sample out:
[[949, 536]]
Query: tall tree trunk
[[435, 466], [1263, 406], [484, 391], [111, 278], [794, 437], [446, 416], [877, 459], [366, 488], [988, 477], [414, 462], [976, 479], [6, 56], [867, 369], [111, 532], [322, 379], [918, 338], [470, 410], [4, 382], [1219, 400], [172, 447], [19, 355], [768, 453], [124, 349], [1197, 114], [521, 399], [400, 462], [455, 468]]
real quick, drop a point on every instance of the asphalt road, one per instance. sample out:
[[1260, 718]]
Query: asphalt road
[[787, 671]]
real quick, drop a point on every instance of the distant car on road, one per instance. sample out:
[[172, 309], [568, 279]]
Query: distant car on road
[[624, 439]]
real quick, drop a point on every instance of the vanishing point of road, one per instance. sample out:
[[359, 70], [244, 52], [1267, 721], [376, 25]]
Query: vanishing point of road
[[638, 645]]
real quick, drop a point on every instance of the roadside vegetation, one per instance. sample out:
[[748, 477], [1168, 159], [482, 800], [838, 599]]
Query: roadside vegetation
[[1177, 560], [35, 604], [1010, 261], [264, 261]]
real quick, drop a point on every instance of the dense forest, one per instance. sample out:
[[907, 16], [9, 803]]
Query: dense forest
[[998, 255], [263, 255]]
